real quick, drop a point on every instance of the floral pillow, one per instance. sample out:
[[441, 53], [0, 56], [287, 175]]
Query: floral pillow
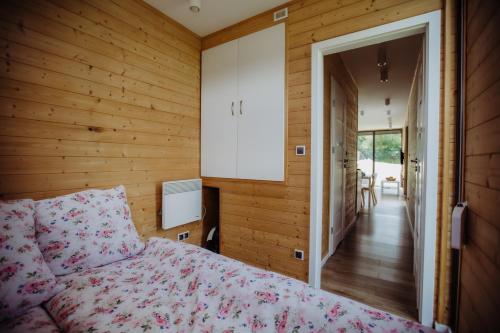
[[25, 279], [86, 229]]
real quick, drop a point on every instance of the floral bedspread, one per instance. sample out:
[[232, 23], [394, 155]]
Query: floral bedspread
[[177, 287], [35, 320]]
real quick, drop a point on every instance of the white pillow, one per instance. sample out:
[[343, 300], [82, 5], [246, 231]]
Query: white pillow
[[85, 229]]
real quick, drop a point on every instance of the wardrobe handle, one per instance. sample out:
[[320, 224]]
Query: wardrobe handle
[[232, 108], [241, 110]]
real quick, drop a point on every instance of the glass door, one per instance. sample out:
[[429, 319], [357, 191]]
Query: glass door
[[388, 155], [365, 152], [379, 152]]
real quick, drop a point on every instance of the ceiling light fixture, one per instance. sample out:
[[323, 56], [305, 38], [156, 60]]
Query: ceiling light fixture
[[383, 64], [384, 74], [195, 5], [382, 56], [387, 101], [362, 112]]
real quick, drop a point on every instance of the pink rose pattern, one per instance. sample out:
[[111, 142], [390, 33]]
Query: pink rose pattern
[[86, 229], [25, 279], [35, 320], [176, 287]]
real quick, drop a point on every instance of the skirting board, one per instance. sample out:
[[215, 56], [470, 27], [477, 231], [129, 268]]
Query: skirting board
[[409, 220], [442, 328], [325, 258]]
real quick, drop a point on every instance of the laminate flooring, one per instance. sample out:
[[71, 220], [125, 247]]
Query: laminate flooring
[[374, 262]]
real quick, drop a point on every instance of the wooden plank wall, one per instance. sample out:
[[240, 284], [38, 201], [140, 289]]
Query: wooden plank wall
[[98, 93], [94, 94], [334, 65], [480, 271], [261, 222]]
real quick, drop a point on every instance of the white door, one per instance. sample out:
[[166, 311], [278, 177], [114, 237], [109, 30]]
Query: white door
[[337, 170], [218, 111], [261, 103], [417, 162]]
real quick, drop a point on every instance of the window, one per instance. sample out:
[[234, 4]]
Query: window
[[380, 152], [365, 152]]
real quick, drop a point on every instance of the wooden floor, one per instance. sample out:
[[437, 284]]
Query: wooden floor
[[373, 264]]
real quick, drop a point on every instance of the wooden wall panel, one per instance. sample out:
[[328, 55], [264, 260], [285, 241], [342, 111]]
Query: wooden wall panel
[[480, 271], [94, 94], [89, 84], [334, 65], [276, 229]]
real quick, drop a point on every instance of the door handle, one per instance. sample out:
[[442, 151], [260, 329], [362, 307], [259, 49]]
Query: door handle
[[241, 109], [417, 166], [232, 108]]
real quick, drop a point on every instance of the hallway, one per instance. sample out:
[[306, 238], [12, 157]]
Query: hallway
[[373, 264]]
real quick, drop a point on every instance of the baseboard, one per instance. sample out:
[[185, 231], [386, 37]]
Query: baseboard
[[409, 220], [350, 225], [325, 259], [442, 328]]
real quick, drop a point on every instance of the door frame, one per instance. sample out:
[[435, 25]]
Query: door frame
[[430, 25], [333, 117]]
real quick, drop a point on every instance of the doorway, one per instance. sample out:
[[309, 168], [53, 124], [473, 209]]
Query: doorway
[[430, 25]]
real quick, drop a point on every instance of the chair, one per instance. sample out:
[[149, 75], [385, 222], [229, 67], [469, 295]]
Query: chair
[[372, 188], [371, 191]]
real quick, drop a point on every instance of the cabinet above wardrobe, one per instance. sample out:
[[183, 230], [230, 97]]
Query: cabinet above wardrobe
[[243, 107]]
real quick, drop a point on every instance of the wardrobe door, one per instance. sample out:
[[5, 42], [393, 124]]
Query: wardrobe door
[[261, 105], [218, 111]]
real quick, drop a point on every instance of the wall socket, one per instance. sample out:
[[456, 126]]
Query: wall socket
[[300, 150], [298, 254], [183, 236]]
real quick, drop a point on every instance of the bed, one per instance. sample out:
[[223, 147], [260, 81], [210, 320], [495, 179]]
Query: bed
[[176, 287]]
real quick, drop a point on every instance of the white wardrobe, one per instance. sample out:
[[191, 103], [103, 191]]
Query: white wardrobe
[[243, 107]]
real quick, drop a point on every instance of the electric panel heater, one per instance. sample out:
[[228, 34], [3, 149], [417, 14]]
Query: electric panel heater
[[181, 202]]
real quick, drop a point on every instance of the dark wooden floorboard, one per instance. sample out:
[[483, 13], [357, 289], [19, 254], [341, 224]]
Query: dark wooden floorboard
[[374, 262]]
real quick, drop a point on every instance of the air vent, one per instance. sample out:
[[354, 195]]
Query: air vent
[[181, 186], [280, 14]]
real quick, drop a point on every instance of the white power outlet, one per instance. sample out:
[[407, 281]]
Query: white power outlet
[[183, 236]]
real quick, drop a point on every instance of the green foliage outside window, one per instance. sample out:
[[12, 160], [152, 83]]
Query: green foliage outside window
[[387, 147], [365, 146]]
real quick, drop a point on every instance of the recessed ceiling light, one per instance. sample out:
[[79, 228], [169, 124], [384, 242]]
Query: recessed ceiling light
[[362, 112]]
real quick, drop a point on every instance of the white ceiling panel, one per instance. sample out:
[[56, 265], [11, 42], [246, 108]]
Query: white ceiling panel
[[214, 14], [362, 63]]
